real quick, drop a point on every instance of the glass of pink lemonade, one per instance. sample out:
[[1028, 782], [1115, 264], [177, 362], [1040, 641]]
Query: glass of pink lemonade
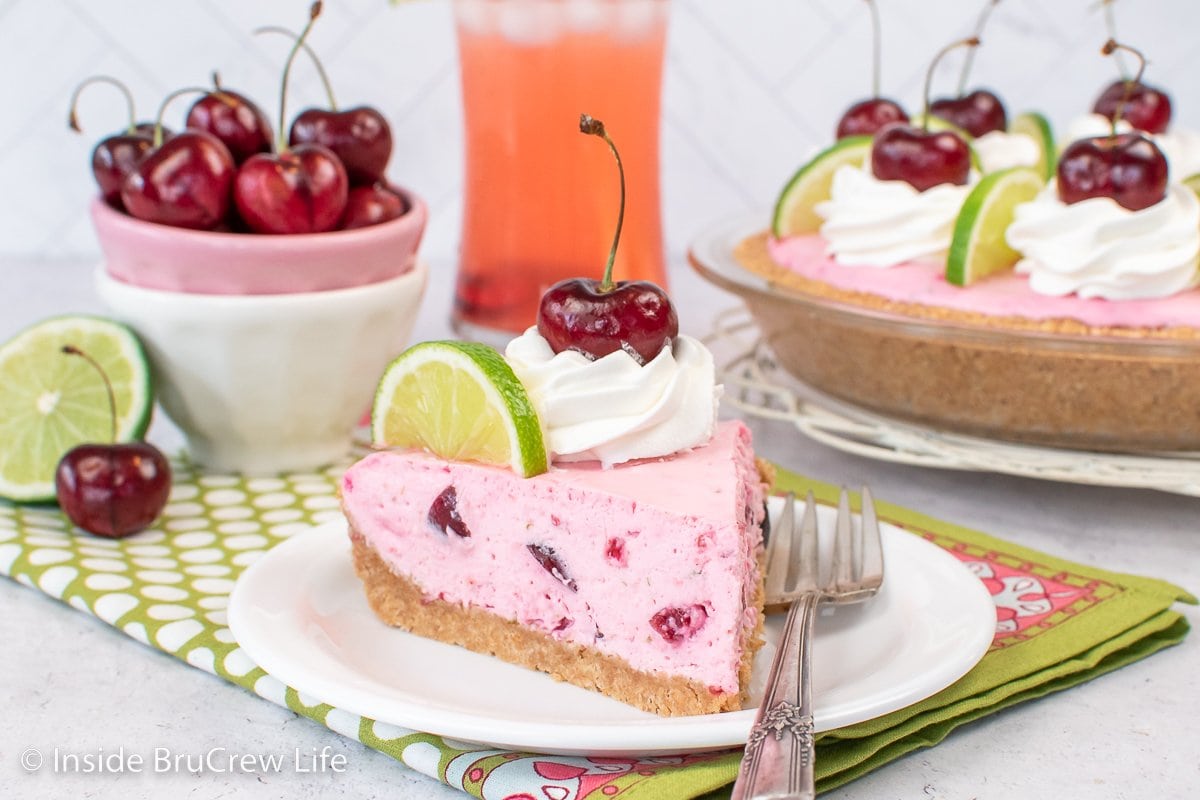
[[541, 198]]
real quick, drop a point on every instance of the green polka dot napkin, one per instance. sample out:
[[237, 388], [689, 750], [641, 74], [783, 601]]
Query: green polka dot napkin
[[1058, 624]]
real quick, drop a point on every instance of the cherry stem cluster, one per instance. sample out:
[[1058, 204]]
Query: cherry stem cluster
[[594, 127], [312, 54], [73, 120], [313, 13], [971, 41], [72, 350], [1110, 47], [969, 61]]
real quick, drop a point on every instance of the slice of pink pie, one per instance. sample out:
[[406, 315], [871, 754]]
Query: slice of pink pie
[[641, 581]]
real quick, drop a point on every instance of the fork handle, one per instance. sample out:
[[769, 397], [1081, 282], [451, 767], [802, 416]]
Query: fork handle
[[778, 762]]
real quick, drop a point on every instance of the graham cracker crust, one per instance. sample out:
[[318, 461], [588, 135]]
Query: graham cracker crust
[[752, 253], [400, 603]]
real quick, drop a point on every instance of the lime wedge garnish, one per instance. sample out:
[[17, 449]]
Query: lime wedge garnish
[[1193, 182], [794, 210], [51, 402], [461, 401], [978, 247], [1036, 126]]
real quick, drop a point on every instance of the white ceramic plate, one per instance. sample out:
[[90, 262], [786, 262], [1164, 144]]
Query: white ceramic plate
[[300, 613]]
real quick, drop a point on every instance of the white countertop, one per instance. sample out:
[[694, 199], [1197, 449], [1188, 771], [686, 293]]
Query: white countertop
[[72, 682]]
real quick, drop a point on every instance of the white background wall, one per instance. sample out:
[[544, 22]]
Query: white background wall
[[751, 85]]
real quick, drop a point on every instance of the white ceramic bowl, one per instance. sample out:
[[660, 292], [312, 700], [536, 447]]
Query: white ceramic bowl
[[261, 384]]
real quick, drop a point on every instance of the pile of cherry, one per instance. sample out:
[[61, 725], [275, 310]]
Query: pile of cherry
[[227, 172]]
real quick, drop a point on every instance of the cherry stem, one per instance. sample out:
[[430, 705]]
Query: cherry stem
[[1110, 24], [969, 61], [876, 47], [311, 54], [971, 41], [73, 120], [313, 12], [162, 108], [72, 350], [1110, 47], [594, 127]]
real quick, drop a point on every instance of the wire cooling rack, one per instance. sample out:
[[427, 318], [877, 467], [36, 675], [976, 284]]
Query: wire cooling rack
[[756, 384]]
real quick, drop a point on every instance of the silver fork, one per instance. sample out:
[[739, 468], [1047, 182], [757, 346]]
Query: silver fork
[[778, 762]]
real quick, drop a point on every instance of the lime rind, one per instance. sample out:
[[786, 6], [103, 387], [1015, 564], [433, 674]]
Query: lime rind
[[978, 247], [1036, 126], [427, 425], [50, 402], [794, 212]]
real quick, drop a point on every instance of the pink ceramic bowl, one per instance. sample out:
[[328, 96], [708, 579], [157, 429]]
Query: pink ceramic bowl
[[161, 257]]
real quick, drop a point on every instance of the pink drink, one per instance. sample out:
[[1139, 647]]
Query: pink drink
[[541, 198]]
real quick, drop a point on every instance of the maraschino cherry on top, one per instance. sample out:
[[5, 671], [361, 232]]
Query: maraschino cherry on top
[[867, 117], [601, 317], [979, 111], [1128, 167], [921, 157]]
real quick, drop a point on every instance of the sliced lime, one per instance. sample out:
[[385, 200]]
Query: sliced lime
[[1037, 127], [1193, 182], [978, 247], [461, 401], [794, 210], [51, 401]]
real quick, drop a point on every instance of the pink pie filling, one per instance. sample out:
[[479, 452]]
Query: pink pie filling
[[654, 561], [1003, 295]]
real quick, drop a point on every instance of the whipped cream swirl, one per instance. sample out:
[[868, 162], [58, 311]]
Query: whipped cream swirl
[[614, 410], [1001, 150], [1096, 248], [874, 223]]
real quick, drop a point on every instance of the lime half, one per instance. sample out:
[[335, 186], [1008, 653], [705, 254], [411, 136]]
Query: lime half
[[794, 210], [51, 401], [461, 401], [978, 247], [1036, 126]]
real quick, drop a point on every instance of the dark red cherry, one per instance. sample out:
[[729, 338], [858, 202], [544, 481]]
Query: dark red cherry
[[1148, 108], [550, 562], [186, 182], [601, 317], [235, 120], [371, 205], [302, 190], [634, 316], [677, 624], [114, 158], [923, 159], [360, 137], [1129, 168], [976, 113], [868, 117], [113, 490], [443, 515]]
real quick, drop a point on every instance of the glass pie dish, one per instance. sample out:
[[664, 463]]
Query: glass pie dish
[[1078, 391]]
